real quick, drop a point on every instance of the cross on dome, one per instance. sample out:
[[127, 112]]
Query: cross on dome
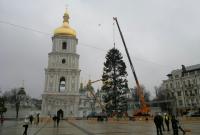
[[65, 29]]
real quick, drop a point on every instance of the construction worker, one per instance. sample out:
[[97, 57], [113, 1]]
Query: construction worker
[[166, 118]]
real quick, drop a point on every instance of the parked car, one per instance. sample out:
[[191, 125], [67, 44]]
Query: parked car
[[100, 116], [193, 114], [92, 115]]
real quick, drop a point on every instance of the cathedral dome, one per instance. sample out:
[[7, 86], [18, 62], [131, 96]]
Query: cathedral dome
[[65, 29]]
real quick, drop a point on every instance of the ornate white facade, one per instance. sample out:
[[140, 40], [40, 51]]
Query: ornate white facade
[[61, 90], [184, 86]]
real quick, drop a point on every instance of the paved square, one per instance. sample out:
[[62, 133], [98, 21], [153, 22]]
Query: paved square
[[89, 127]]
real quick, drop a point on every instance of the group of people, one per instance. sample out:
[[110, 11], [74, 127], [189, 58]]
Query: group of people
[[2, 119], [34, 119], [159, 120], [30, 119]]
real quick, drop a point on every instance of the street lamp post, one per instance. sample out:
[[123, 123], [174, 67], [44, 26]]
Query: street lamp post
[[175, 107], [167, 98]]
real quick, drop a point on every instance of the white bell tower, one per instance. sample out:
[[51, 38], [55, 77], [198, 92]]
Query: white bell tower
[[61, 92]]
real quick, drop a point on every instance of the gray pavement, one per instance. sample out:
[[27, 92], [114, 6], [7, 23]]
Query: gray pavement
[[91, 127]]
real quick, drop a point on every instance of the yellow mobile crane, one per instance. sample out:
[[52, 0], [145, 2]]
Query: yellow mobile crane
[[144, 108], [101, 116], [89, 88]]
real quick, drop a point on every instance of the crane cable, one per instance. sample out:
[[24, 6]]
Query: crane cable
[[83, 44], [114, 33]]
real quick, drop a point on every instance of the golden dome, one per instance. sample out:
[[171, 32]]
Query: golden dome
[[65, 29]]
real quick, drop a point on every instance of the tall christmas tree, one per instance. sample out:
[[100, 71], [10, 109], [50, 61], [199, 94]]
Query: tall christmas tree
[[115, 83]]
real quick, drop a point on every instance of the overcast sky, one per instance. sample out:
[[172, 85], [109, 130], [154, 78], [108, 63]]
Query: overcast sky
[[161, 35]]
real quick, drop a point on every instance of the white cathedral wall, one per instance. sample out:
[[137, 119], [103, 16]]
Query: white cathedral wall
[[72, 61], [69, 107]]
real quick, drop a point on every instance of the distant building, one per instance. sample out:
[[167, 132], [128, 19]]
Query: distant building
[[99, 103], [86, 102], [89, 103], [183, 85]]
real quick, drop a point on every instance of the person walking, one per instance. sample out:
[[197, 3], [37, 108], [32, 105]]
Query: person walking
[[166, 118], [161, 118], [58, 120], [25, 126], [37, 119], [157, 121], [54, 120], [31, 119], [176, 126]]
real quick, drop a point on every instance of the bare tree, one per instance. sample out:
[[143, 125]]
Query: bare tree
[[3, 109], [163, 98], [15, 96], [146, 93]]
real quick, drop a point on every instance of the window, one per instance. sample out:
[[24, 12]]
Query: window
[[191, 93], [173, 94], [171, 85], [195, 91], [189, 84], [176, 76], [179, 93], [180, 102], [63, 61], [186, 93], [198, 71], [64, 45], [192, 101], [62, 84], [178, 85], [184, 83], [192, 73], [166, 86], [194, 81]]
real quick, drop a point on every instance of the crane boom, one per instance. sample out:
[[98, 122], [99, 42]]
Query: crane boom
[[144, 108], [132, 68]]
